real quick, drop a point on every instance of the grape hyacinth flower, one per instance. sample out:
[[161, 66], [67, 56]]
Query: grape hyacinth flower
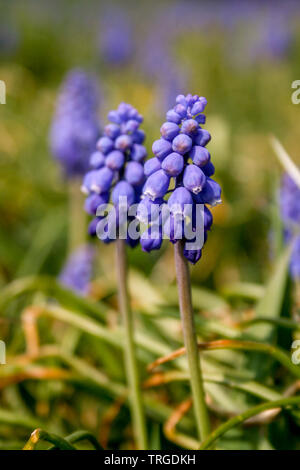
[[117, 176], [181, 156], [116, 42], [117, 167], [77, 272], [181, 166], [289, 201], [75, 127]]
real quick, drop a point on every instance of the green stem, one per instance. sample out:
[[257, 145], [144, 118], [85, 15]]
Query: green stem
[[135, 396], [207, 443], [78, 436], [40, 434], [190, 340]]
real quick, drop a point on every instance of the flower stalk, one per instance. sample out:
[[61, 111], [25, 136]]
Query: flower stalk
[[190, 340], [135, 396]]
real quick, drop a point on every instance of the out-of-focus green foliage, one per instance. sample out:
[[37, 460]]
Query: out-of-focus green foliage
[[64, 368]]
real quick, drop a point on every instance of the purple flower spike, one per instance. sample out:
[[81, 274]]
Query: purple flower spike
[[157, 185], [182, 144], [75, 129], [173, 164], [116, 42], [183, 140], [122, 176], [194, 179], [77, 272], [289, 197]]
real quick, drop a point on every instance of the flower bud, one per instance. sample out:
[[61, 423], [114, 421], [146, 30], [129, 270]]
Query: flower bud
[[211, 193], [115, 160], [97, 160], [202, 137], [105, 145], [123, 142], [134, 173], [94, 201], [169, 130], [208, 169], [138, 152], [172, 116], [151, 166], [179, 200], [182, 144], [102, 180], [138, 136], [192, 256], [199, 155], [151, 239], [161, 148], [173, 164], [112, 131], [194, 179], [189, 127], [157, 185], [123, 190]]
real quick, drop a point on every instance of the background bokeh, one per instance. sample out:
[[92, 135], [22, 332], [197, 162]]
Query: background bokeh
[[241, 55]]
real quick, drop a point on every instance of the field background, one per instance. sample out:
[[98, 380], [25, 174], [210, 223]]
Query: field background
[[243, 57]]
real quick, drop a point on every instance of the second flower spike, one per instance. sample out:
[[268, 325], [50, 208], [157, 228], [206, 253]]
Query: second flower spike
[[181, 166]]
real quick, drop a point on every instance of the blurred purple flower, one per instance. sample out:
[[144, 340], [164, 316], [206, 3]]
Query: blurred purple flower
[[77, 272], [116, 42], [289, 202], [75, 127]]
